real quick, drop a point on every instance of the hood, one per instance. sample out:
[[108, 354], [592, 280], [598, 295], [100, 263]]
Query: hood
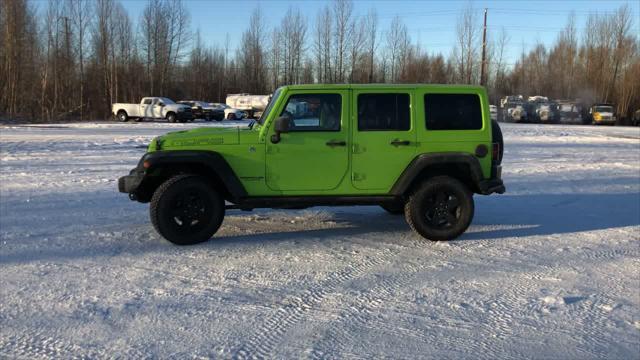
[[195, 139]]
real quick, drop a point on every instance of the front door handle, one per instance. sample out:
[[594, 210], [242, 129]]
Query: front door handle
[[398, 142], [333, 143]]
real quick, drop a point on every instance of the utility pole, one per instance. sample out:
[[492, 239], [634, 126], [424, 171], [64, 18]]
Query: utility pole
[[484, 50]]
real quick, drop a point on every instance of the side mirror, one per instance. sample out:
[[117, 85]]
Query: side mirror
[[280, 127], [161, 104]]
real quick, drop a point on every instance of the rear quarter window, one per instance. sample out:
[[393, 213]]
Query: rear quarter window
[[453, 112]]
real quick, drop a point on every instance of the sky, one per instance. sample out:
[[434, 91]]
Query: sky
[[430, 23]]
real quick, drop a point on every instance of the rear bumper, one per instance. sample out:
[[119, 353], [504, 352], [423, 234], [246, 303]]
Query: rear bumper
[[493, 185]]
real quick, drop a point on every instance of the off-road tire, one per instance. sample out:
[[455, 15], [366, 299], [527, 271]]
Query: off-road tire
[[393, 208], [168, 208], [424, 201], [171, 117], [122, 116]]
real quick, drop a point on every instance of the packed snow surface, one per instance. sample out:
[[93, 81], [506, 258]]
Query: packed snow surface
[[551, 269]]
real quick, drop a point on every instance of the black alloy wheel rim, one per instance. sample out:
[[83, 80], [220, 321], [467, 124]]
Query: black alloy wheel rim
[[442, 210], [190, 211]]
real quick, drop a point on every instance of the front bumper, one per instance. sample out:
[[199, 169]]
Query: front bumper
[[607, 121], [130, 183], [184, 115]]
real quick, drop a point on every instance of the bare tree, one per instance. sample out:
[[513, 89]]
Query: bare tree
[[251, 55], [466, 49], [322, 45], [371, 32], [293, 31], [342, 10], [80, 14], [275, 58], [620, 25], [356, 45], [17, 39], [397, 45]]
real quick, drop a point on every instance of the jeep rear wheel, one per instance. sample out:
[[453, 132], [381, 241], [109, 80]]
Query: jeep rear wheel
[[441, 208], [186, 210]]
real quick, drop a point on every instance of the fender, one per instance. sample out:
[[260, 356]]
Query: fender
[[211, 162], [424, 161]]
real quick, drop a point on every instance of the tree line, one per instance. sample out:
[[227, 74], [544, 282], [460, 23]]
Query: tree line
[[74, 58]]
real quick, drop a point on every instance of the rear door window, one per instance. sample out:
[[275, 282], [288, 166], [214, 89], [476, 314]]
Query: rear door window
[[453, 112], [380, 112]]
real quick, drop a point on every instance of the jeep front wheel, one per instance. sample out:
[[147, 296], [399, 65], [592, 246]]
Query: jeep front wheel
[[186, 210], [441, 208], [171, 117]]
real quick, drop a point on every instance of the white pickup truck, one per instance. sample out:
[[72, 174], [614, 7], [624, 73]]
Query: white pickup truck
[[152, 108]]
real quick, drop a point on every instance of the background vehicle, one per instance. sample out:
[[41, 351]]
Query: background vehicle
[[539, 109], [230, 113], [250, 104], [493, 110], [152, 108], [569, 112], [602, 114], [513, 109], [203, 110], [330, 145], [635, 120]]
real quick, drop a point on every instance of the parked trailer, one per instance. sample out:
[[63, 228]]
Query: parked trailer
[[251, 104]]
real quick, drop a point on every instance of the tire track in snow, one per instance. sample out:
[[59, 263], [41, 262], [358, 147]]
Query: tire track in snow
[[360, 313], [269, 334], [39, 346]]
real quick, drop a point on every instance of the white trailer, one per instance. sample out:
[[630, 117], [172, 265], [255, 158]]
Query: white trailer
[[251, 104]]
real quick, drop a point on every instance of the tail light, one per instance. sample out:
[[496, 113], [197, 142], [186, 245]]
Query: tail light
[[495, 154]]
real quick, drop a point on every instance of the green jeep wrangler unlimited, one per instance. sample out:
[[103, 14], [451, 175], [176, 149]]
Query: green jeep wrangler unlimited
[[420, 150]]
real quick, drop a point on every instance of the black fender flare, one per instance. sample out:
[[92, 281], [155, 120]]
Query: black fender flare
[[211, 162], [424, 161]]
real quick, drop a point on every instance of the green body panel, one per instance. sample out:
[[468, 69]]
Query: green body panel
[[302, 163], [376, 163]]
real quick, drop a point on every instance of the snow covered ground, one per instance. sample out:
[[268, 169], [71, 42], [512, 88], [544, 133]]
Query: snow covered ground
[[551, 269]]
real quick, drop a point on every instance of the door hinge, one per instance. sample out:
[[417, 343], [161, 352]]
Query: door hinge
[[358, 176], [357, 149]]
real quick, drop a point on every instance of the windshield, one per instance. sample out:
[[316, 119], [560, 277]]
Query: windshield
[[267, 110], [604, 109], [167, 101]]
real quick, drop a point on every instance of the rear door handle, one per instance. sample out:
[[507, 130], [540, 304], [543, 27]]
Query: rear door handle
[[333, 143], [397, 142]]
